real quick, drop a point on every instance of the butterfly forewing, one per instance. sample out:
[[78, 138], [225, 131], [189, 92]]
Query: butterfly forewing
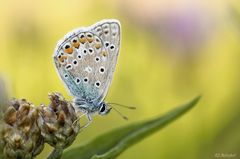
[[86, 59]]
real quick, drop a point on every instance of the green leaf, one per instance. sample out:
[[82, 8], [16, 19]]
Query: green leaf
[[113, 143]]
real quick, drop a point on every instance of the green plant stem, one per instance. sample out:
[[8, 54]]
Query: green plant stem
[[56, 154]]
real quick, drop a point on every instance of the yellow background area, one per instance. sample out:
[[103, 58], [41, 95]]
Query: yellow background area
[[160, 66]]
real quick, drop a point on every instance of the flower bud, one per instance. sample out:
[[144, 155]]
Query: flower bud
[[58, 122], [20, 135]]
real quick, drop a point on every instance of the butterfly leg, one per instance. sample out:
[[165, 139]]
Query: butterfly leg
[[89, 117], [78, 118]]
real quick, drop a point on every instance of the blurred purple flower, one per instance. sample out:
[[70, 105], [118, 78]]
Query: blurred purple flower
[[182, 29]]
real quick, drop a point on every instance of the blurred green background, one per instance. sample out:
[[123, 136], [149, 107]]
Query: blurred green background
[[170, 52]]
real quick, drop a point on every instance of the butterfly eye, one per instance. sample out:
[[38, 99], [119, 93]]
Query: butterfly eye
[[67, 48], [75, 42], [102, 108], [89, 37], [82, 38]]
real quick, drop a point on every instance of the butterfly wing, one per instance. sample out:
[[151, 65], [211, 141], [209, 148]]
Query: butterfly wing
[[109, 32], [86, 58]]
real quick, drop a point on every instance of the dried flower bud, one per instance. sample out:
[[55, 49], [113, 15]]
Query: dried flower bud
[[20, 133], [58, 122], [2, 142]]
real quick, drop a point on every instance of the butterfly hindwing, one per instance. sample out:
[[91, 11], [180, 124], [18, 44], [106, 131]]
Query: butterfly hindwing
[[86, 59], [109, 32]]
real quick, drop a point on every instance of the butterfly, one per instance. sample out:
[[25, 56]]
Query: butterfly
[[86, 59]]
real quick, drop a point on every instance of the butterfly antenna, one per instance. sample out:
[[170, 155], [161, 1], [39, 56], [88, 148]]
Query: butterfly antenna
[[123, 116], [125, 106]]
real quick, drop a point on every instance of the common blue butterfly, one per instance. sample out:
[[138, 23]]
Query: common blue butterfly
[[85, 60]]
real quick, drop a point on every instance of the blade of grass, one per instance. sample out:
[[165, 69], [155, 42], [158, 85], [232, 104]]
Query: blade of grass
[[113, 143]]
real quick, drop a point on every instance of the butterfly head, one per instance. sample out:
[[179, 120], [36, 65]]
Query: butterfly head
[[103, 109]]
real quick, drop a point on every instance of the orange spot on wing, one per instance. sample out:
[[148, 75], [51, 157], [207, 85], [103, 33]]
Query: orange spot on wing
[[89, 39], [76, 45], [82, 40], [62, 58], [97, 46], [69, 50], [104, 53]]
